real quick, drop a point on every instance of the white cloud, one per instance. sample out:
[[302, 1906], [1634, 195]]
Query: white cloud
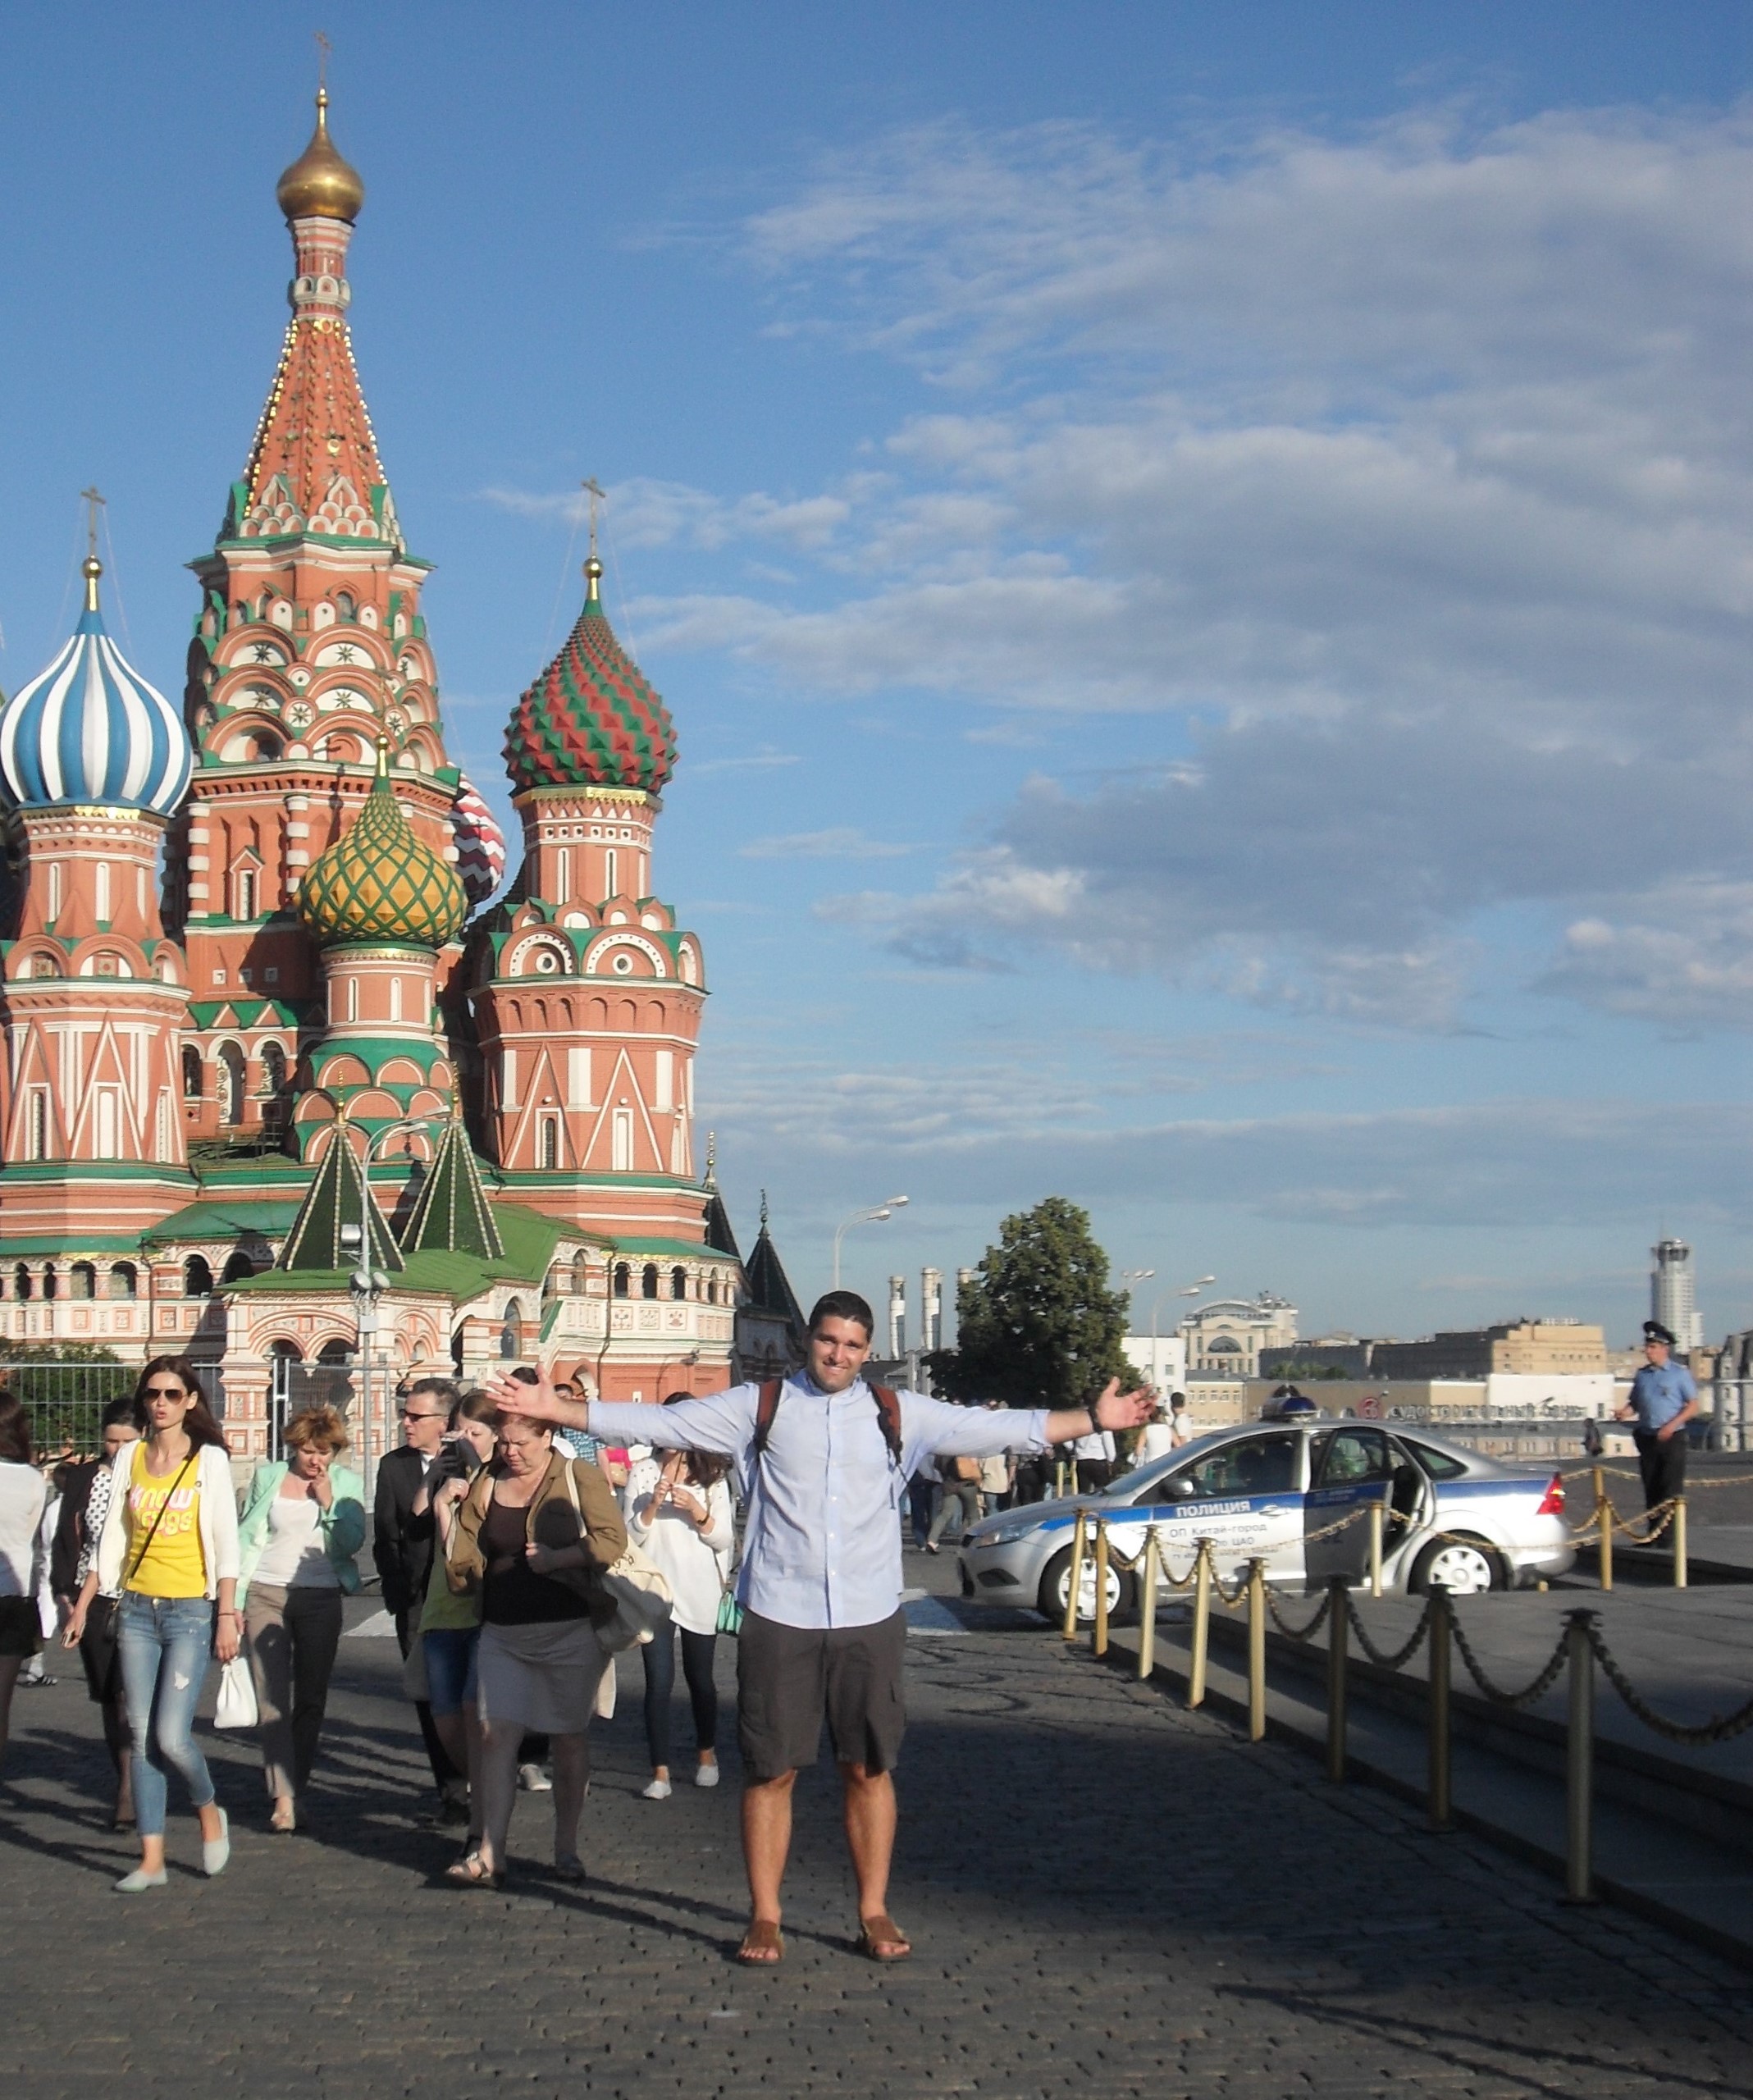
[[839, 842]]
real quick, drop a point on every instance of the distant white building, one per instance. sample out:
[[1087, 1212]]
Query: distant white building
[[1160, 1360], [1674, 1293], [1225, 1338]]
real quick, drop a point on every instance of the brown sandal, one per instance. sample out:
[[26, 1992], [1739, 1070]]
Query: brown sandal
[[882, 1940], [763, 1945]]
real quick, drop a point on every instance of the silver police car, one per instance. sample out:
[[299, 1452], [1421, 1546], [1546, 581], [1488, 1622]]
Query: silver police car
[[1272, 1490]]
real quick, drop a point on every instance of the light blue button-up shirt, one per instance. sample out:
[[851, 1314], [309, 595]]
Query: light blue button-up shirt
[[824, 1541], [1659, 1391]]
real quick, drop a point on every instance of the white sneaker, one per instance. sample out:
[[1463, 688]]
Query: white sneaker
[[659, 1790], [533, 1780], [706, 1775]]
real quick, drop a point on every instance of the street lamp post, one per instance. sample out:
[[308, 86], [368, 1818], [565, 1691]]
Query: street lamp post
[[365, 1286], [1175, 1290], [873, 1214]]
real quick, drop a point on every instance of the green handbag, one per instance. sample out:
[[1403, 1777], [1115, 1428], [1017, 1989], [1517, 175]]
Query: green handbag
[[730, 1613]]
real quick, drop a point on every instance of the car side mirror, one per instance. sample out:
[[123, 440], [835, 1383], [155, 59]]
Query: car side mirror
[[1181, 1487]]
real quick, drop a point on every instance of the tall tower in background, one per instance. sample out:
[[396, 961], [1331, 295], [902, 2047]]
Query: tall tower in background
[[897, 1316], [931, 1308], [310, 649], [1674, 1293]]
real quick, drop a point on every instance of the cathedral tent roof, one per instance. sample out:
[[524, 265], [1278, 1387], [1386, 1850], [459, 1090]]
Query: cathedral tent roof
[[769, 1288], [451, 1212], [337, 1198]]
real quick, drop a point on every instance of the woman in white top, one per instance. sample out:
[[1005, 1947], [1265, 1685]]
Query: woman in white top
[[302, 1527], [679, 1515], [23, 1493]]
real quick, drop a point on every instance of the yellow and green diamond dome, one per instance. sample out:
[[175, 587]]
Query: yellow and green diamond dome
[[379, 882]]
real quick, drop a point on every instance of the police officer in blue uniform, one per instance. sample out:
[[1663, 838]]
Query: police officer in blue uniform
[[1663, 1400]]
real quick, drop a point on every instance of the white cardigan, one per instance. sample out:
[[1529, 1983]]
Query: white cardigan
[[218, 1522], [697, 1562]]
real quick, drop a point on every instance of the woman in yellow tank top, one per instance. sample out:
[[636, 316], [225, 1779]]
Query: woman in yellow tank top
[[169, 1547]]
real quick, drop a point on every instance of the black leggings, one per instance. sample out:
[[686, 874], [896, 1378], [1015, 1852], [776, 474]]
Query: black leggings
[[659, 1657]]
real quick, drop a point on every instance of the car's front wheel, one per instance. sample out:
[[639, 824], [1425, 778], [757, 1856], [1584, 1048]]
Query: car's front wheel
[[1056, 1580], [1465, 1567]]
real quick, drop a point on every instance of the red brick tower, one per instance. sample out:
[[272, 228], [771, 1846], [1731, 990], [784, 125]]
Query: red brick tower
[[588, 995], [309, 648]]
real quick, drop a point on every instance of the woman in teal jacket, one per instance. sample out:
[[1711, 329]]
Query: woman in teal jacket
[[302, 1526]]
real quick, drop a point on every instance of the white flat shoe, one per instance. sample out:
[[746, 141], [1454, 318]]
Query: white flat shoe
[[707, 1775], [139, 1881], [659, 1790], [215, 1851]]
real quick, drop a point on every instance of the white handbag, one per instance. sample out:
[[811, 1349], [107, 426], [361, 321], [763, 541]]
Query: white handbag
[[641, 1591], [237, 1696]]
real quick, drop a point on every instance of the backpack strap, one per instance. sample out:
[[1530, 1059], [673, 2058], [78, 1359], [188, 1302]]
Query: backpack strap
[[767, 1407], [889, 1414]]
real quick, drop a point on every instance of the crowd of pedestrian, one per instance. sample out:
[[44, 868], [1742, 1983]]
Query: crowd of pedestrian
[[523, 1536]]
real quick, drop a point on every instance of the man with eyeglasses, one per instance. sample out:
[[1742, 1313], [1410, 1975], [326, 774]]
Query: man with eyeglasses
[[402, 1547]]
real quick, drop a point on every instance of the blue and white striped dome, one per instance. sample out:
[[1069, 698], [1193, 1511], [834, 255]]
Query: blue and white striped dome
[[90, 729]]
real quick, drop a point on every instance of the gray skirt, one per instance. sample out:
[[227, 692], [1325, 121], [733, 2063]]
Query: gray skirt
[[542, 1677]]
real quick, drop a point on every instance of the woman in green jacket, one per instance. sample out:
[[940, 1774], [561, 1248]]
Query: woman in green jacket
[[303, 1525]]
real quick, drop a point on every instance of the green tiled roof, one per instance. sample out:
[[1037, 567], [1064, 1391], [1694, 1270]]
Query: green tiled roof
[[213, 1218]]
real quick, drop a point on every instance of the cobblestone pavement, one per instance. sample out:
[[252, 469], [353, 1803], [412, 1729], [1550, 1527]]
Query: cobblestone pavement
[[1108, 1896]]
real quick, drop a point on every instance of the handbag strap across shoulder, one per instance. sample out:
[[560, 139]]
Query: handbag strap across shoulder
[[152, 1529]]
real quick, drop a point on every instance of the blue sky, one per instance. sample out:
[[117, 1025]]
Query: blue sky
[[1200, 558]]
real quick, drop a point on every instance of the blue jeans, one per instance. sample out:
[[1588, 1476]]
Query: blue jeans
[[164, 1644], [450, 1667]]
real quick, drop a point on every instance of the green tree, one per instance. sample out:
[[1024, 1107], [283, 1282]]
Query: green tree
[[1037, 1324]]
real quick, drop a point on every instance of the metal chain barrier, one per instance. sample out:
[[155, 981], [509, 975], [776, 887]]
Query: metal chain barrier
[[1529, 1693], [1723, 1728], [1306, 1632], [1400, 1656]]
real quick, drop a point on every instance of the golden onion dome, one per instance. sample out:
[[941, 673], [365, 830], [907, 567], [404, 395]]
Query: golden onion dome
[[380, 882], [320, 185]]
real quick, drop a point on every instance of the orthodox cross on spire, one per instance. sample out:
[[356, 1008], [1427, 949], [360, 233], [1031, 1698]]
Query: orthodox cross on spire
[[593, 566], [324, 50], [596, 496], [92, 569]]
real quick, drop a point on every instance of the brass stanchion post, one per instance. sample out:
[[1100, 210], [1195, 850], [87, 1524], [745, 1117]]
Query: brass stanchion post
[[1679, 1531], [1147, 1605], [1604, 1528], [1339, 1644], [1579, 1762], [1442, 1658], [1098, 1630], [1375, 1518], [1075, 1578], [1202, 1622], [1256, 1649]]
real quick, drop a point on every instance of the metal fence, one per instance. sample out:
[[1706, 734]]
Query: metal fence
[[65, 1401]]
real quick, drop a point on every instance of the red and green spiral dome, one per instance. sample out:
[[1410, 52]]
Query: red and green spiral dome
[[590, 720]]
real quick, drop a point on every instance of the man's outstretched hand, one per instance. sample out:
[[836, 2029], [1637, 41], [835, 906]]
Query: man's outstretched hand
[[1115, 1409], [536, 1403]]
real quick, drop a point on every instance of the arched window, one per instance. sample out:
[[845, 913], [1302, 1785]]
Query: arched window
[[22, 1286], [230, 1083], [239, 1268], [125, 1280], [511, 1335], [581, 1274], [712, 1291], [623, 1280], [197, 1278], [678, 1283], [191, 1073], [344, 607], [273, 1070], [51, 1280], [82, 1281], [648, 1281], [549, 1150]]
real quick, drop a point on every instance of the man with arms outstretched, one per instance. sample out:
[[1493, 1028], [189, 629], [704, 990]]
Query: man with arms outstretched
[[823, 1631]]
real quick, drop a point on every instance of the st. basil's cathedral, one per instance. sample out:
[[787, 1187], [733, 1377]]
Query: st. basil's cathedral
[[264, 1069]]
